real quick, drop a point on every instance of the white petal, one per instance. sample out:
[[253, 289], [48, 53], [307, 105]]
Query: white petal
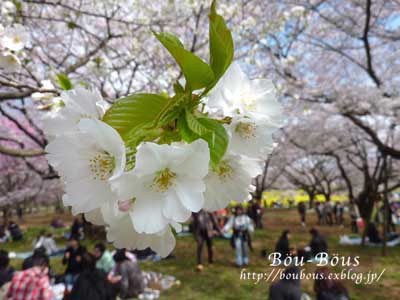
[[173, 209], [95, 217], [151, 157], [128, 185], [194, 161], [108, 139], [147, 213], [190, 193]]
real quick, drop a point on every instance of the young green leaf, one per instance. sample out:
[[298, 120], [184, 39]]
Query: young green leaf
[[198, 74], [64, 82], [135, 111], [215, 135], [194, 125], [217, 140], [221, 43], [184, 130]]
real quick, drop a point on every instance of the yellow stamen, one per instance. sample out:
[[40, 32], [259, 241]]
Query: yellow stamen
[[102, 165], [164, 180]]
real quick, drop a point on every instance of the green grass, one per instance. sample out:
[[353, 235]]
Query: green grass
[[222, 280]]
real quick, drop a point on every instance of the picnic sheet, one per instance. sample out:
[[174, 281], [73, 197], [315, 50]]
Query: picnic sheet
[[354, 240]]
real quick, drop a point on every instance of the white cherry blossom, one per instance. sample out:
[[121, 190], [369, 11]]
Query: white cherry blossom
[[78, 104], [166, 184], [232, 180], [86, 160]]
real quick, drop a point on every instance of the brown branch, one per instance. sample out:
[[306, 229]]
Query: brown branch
[[21, 152]]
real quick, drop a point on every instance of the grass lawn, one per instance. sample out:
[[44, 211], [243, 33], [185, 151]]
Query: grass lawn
[[222, 280]]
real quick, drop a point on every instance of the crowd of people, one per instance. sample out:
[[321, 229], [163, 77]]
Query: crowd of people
[[317, 245], [101, 274], [98, 274], [206, 226], [328, 213]]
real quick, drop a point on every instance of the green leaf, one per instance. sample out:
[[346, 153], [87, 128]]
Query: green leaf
[[216, 136], [138, 134], [194, 124], [64, 82], [135, 111], [217, 140], [221, 43], [198, 74], [184, 130]]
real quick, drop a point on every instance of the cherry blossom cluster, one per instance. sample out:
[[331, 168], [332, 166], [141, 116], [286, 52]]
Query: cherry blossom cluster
[[144, 164]]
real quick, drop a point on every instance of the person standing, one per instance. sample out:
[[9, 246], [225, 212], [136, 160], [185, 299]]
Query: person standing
[[339, 213], [353, 217], [302, 209], [242, 227], [204, 228], [328, 212], [256, 213], [321, 213]]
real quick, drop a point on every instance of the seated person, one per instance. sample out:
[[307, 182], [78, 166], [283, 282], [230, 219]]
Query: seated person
[[373, 234], [318, 242], [57, 222], [50, 245], [15, 231], [105, 262], [6, 272], [4, 234], [28, 262], [73, 259], [288, 288], [127, 276], [282, 246], [92, 283], [329, 289], [33, 283], [37, 242], [304, 252], [77, 229]]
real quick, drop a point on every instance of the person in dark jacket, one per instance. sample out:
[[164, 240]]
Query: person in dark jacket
[[256, 212], [282, 246], [127, 276], [28, 262], [73, 259], [204, 228], [373, 234], [91, 283], [288, 288], [329, 289], [15, 231], [318, 242], [77, 228], [302, 209], [6, 272]]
